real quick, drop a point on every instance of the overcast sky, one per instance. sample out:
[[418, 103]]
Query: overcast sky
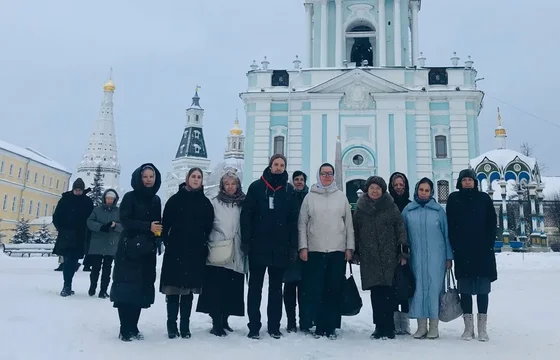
[[55, 56]]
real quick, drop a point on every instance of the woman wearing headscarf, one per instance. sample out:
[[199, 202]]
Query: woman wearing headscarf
[[187, 222], [381, 244], [134, 273], [326, 242], [430, 256], [224, 285], [472, 232], [400, 191]]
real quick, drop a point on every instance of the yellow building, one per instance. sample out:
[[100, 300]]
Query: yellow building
[[30, 185]]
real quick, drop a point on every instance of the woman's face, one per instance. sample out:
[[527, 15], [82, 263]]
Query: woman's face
[[374, 191], [326, 175], [398, 185], [195, 180], [424, 191], [230, 186], [148, 178]]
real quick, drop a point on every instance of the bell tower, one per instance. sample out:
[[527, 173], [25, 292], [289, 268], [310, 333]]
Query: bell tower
[[368, 33]]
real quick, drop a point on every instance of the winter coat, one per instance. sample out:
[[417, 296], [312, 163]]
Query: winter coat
[[69, 219], [472, 222], [134, 272], [325, 221], [400, 200], [293, 272], [104, 238], [227, 226], [381, 240], [270, 236], [426, 227], [187, 221]]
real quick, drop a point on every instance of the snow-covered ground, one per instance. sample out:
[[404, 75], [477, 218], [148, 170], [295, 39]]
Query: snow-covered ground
[[36, 323]]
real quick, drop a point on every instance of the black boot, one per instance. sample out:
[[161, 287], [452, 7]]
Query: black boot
[[92, 288], [103, 291], [66, 291], [217, 326], [185, 307], [172, 313], [291, 328], [125, 317], [59, 268], [225, 323]]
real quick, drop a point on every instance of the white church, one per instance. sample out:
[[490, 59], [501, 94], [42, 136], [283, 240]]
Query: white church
[[364, 81]]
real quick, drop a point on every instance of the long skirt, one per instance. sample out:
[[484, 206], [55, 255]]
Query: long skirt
[[223, 292], [474, 286]]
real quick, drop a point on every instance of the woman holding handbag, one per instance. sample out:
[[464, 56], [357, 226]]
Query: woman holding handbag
[[187, 222], [224, 285], [430, 256]]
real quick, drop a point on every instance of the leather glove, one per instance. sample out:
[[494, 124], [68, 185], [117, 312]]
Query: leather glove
[[105, 228]]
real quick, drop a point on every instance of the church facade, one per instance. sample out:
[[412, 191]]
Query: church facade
[[364, 82]]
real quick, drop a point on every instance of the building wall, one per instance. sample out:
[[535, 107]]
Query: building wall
[[28, 189]]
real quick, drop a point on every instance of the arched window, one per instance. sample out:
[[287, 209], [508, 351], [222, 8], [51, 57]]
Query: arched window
[[442, 191], [441, 146], [278, 145], [38, 209]]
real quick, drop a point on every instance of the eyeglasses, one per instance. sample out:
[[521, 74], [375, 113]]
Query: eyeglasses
[[323, 174]]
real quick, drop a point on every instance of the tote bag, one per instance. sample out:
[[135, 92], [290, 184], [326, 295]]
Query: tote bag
[[450, 302], [351, 303], [220, 252], [404, 283]]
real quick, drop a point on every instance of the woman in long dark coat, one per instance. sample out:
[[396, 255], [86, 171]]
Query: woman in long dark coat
[[223, 291], [134, 273], [187, 222], [381, 243], [472, 222]]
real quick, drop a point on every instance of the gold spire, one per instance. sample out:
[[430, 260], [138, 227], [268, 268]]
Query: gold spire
[[109, 85], [500, 131], [236, 130]]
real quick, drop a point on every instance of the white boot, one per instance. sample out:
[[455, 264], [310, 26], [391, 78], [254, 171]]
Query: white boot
[[397, 320], [481, 324], [468, 334], [405, 324], [433, 333], [422, 330]]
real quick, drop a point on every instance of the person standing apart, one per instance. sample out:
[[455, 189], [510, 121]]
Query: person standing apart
[[472, 224], [187, 222], [381, 244], [134, 274], [269, 235], [105, 226], [430, 256], [70, 218]]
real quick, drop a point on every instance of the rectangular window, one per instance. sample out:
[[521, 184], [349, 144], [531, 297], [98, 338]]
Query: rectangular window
[[27, 175], [35, 178], [2, 167], [11, 173], [22, 206], [46, 210], [443, 191], [279, 145], [50, 182], [5, 204], [43, 182], [441, 146], [19, 173], [57, 183], [38, 213], [30, 207], [14, 201]]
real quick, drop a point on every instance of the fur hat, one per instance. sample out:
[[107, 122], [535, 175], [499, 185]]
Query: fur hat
[[377, 180]]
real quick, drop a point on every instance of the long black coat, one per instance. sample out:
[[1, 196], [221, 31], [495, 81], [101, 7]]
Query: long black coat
[[187, 221], [270, 236], [133, 275], [70, 220], [472, 222]]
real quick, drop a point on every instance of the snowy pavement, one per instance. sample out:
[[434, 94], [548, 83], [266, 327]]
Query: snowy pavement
[[36, 323]]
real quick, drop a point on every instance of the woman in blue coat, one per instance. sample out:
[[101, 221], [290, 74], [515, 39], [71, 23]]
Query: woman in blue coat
[[430, 256]]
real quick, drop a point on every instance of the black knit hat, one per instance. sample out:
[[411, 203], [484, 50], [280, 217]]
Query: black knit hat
[[78, 184], [377, 180], [277, 156]]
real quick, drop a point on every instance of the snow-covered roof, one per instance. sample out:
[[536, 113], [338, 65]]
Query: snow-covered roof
[[33, 155], [42, 220], [502, 157]]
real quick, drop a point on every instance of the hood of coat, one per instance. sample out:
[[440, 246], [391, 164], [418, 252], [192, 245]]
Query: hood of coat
[[370, 206], [136, 180], [323, 190], [115, 202], [464, 174]]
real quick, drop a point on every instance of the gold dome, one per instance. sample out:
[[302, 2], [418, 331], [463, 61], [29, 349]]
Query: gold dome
[[109, 86], [236, 130], [500, 131]]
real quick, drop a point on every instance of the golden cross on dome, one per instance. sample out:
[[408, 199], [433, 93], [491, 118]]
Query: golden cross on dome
[[197, 88]]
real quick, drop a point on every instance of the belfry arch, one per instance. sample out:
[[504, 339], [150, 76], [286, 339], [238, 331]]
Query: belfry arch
[[361, 43]]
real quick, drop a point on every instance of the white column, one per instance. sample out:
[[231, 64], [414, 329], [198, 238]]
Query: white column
[[381, 35], [338, 39], [324, 32], [414, 31], [397, 34], [309, 34]]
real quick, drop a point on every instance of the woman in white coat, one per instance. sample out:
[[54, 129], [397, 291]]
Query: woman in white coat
[[223, 290], [326, 242]]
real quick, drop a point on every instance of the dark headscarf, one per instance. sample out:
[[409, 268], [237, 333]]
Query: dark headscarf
[[400, 200], [423, 202]]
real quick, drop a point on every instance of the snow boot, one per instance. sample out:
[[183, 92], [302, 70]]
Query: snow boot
[[217, 326], [433, 332], [422, 330], [275, 334], [405, 324], [468, 334], [398, 323], [481, 325], [172, 313], [291, 328], [66, 291], [185, 307], [92, 288], [225, 323], [59, 268], [254, 334]]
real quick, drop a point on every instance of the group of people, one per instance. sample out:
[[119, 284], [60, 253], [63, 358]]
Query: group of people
[[302, 237]]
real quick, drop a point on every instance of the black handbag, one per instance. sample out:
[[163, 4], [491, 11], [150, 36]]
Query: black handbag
[[351, 302], [404, 283]]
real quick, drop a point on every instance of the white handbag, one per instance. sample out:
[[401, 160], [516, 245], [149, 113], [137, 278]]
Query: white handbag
[[220, 252]]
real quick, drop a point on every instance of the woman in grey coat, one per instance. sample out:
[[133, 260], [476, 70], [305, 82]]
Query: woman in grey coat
[[105, 228]]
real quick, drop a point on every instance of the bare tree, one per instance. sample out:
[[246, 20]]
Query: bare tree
[[528, 150], [553, 210]]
